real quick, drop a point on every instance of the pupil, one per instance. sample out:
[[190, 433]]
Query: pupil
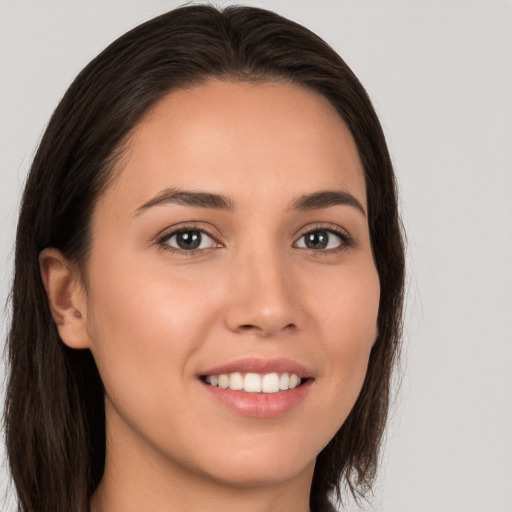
[[317, 240], [188, 239]]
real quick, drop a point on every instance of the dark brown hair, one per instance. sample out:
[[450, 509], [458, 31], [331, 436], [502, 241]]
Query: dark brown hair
[[54, 415]]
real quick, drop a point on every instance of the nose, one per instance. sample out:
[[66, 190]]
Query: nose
[[261, 296]]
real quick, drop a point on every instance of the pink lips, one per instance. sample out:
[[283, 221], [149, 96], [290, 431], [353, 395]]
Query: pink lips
[[257, 365], [260, 405]]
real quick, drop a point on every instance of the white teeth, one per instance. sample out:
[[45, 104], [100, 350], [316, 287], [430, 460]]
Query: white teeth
[[236, 381], [223, 381], [254, 382], [294, 381], [270, 383]]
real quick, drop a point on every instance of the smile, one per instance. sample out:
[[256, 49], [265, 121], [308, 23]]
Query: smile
[[254, 382], [258, 388]]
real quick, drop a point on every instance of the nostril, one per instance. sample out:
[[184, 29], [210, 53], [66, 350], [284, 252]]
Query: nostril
[[265, 330], [257, 317]]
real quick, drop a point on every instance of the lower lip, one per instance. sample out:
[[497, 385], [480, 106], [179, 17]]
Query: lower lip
[[259, 405]]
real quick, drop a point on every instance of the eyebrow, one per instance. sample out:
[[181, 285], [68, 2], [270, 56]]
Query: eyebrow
[[325, 199], [188, 198], [314, 201]]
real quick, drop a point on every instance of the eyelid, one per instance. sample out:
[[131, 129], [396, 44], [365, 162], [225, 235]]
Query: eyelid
[[162, 238], [347, 240]]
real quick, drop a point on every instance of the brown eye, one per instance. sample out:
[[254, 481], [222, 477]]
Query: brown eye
[[189, 240], [320, 239]]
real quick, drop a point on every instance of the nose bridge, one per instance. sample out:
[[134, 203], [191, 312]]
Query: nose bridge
[[260, 297]]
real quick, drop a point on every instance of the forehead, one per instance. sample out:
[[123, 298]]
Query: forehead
[[254, 141]]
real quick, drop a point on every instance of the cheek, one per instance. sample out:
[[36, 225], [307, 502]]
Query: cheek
[[147, 322], [348, 328]]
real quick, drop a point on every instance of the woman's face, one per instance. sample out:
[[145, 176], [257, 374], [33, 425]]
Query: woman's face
[[232, 247]]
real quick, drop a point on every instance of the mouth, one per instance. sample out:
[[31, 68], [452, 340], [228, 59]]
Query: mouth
[[258, 388], [252, 382]]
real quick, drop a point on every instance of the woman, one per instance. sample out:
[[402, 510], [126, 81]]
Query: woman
[[208, 277]]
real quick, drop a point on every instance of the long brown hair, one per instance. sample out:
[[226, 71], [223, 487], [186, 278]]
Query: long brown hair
[[54, 414]]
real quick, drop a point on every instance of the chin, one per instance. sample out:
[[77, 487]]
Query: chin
[[253, 468], [254, 475]]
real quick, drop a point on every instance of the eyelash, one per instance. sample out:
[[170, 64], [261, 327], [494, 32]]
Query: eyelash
[[346, 241], [164, 239]]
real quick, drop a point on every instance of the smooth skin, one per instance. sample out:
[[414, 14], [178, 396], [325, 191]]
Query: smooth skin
[[156, 315]]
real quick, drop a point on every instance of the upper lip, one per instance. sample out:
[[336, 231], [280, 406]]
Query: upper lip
[[260, 365]]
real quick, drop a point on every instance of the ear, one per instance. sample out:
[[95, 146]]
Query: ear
[[66, 296]]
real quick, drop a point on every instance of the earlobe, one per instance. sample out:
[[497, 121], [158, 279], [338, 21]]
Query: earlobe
[[66, 297]]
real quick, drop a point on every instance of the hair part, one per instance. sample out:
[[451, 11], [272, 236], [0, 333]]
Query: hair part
[[54, 415]]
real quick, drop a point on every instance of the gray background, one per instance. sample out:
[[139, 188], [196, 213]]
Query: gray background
[[440, 75]]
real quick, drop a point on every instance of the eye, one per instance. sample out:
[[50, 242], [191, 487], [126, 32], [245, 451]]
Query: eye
[[322, 239], [189, 240]]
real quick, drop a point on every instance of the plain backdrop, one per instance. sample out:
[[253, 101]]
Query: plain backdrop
[[440, 76]]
